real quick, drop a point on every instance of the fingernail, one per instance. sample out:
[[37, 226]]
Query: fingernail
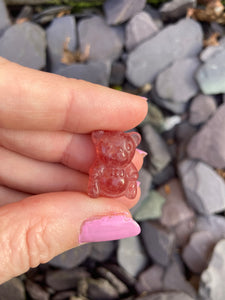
[[143, 153], [138, 183], [108, 228], [145, 98]]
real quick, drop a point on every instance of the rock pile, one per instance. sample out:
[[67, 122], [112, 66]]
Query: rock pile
[[130, 46]]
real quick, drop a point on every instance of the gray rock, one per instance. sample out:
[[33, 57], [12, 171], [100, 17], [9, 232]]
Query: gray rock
[[205, 198], [144, 63], [130, 255], [30, 44], [175, 107], [60, 32], [175, 208], [159, 242], [71, 258], [177, 83], [212, 279], [48, 14], [154, 117], [119, 11], [145, 179], [96, 72], [210, 51], [212, 223], [101, 289], [150, 280], [201, 109], [183, 231], [175, 9], [4, 17], [210, 75], [66, 295], [165, 175], [117, 73], [12, 288], [104, 42], [60, 280], [138, 29], [208, 144], [113, 280], [151, 207], [175, 280], [101, 251], [166, 296], [157, 148], [36, 291], [198, 250], [154, 13]]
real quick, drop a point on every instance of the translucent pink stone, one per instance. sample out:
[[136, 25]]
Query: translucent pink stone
[[112, 173]]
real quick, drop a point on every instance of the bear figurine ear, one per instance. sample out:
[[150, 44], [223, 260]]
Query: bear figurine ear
[[97, 135], [136, 138]]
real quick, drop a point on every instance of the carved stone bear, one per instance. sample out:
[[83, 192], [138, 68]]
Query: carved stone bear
[[113, 174]]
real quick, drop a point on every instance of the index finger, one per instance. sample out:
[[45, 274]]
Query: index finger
[[36, 100]]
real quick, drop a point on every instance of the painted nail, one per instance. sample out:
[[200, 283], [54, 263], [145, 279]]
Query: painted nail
[[108, 228], [138, 183], [143, 153], [145, 98]]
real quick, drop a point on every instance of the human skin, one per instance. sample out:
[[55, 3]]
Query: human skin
[[45, 154]]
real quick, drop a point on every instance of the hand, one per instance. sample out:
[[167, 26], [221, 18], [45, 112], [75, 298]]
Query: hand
[[45, 154]]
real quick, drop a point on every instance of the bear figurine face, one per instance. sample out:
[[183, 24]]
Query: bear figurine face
[[113, 174], [115, 148]]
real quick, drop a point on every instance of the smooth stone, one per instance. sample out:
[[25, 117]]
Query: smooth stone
[[151, 280], [145, 62], [66, 295], [166, 296], [205, 198], [101, 251], [155, 117], [121, 274], [119, 11], [164, 175], [50, 13], [159, 242], [105, 42], [116, 282], [59, 32], [183, 231], [197, 252], [210, 51], [177, 83], [160, 156], [184, 132], [201, 109], [174, 279], [71, 258], [154, 13], [36, 291], [208, 144], [101, 289], [12, 288], [30, 42], [175, 208], [96, 72], [151, 207], [210, 75], [130, 255], [175, 9], [138, 29], [212, 279], [5, 21], [117, 75], [212, 223], [60, 280], [174, 107], [145, 178]]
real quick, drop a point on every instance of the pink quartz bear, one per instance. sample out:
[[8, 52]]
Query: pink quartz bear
[[112, 173]]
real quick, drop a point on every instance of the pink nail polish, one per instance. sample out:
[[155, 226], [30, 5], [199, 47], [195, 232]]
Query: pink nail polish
[[108, 228], [138, 183], [145, 98], [143, 153]]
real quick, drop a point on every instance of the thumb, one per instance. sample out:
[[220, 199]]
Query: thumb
[[40, 227]]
